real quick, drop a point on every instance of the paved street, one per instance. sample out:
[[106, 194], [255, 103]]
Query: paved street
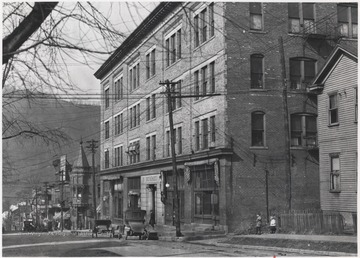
[[66, 246]]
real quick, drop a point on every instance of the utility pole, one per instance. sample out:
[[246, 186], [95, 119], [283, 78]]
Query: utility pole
[[92, 146], [36, 207], [267, 193], [62, 199], [286, 125], [173, 154], [46, 199]]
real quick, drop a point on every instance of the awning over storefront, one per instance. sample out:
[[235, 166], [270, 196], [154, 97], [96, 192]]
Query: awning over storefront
[[210, 162]]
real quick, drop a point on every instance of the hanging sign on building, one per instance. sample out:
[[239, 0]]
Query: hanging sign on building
[[150, 179], [63, 168]]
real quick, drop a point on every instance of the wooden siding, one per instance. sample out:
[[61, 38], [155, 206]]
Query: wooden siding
[[340, 139]]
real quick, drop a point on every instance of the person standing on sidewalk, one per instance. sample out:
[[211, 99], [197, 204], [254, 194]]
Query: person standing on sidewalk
[[272, 225], [258, 224]]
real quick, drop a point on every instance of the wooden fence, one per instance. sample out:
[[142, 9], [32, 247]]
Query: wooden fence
[[316, 222]]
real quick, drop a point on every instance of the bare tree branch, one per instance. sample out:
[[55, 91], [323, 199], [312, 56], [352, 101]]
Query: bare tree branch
[[26, 28]]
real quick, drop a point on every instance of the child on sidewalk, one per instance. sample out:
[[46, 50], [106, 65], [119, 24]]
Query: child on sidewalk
[[272, 225]]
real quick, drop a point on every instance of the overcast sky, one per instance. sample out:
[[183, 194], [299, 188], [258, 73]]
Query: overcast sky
[[126, 16]]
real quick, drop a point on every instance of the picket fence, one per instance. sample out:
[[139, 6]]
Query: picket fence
[[316, 222]]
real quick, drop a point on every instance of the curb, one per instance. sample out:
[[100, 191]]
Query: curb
[[282, 249], [189, 238]]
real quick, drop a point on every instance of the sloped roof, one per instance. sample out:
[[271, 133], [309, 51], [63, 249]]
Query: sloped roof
[[81, 161], [331, 62]]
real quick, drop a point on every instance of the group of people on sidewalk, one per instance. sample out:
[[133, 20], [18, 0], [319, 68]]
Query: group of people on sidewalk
[[259, 224]]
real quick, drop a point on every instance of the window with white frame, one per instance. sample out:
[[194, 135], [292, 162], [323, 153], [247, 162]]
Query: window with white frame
[[135, 116], [151, 147], [256, 16], [107, 97], [178, 141], [257, 129], [119, 88], [356, 103], [106, 159], [212, 130], [303, 130], [302, 72], [148, 108], [173, 47], [348, 20], [204, 25], [301, 15], [176, 96], [197, 135], [167, 144], [119, 129], [150, 64], [204, 80], [204, 133], [119, 156], [134, 76], [335, 172], [333, 109], [134, 151], [107, 129], [211, 20]]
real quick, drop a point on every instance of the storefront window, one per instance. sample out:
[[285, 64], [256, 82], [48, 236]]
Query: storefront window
[[205, 191], [118, 199], [106, 197], [134, 192], [169, 205]]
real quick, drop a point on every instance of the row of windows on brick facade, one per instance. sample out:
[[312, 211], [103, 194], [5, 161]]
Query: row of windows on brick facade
[[205, 136], [299, 14], [303, 130], [135, 113], [302, 15], [301, 125], [302, 72]]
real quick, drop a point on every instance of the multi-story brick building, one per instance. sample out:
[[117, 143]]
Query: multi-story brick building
[[232, 156]]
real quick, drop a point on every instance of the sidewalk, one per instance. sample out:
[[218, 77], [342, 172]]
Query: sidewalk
[[324, 238], [323, 245]]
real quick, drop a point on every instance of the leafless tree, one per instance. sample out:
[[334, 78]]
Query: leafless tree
[[40, 40]]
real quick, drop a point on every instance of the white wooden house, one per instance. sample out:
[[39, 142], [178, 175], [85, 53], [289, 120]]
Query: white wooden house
[[336, 89]]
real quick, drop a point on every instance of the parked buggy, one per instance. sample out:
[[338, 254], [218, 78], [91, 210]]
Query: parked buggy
[[135, 224], [103, 227]]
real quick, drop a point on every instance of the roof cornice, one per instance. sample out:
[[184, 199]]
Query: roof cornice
[[148, 24]]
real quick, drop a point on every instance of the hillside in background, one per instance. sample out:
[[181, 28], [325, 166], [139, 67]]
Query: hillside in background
[[30, 161]]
